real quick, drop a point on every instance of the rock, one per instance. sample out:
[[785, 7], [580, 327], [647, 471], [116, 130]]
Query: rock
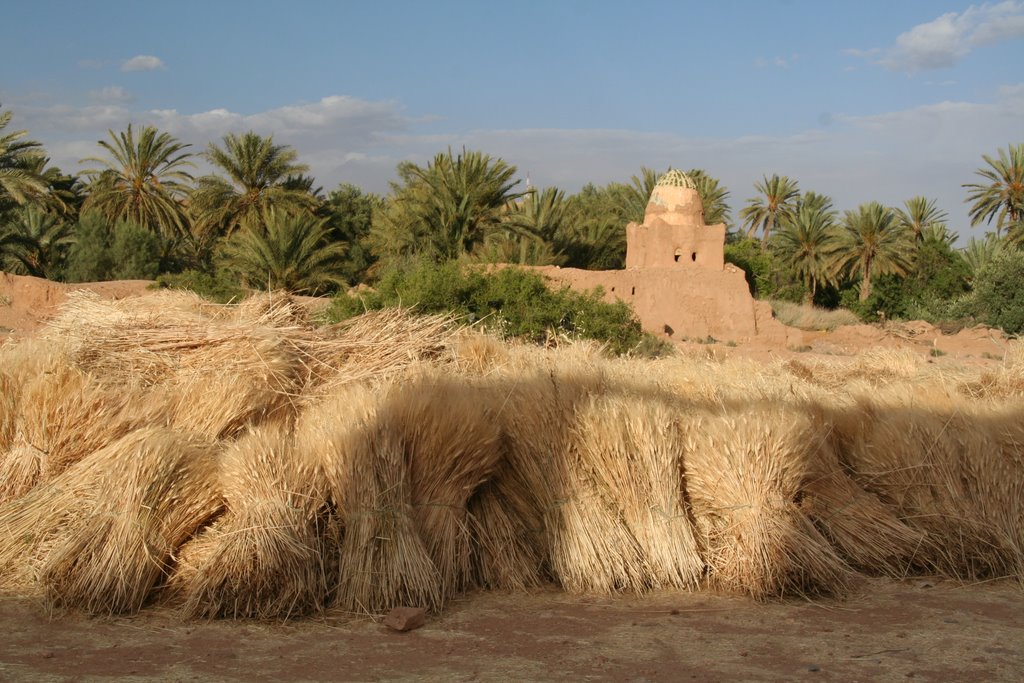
[[405, 618]]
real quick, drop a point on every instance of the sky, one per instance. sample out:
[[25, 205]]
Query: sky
[[863, 101]]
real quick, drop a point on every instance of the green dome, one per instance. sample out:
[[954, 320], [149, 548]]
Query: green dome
[[676, 178]]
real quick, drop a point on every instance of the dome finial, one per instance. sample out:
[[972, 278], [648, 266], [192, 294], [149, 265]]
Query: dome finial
[[676, 178]]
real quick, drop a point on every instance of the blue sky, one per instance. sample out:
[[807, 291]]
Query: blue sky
[[860, 100]]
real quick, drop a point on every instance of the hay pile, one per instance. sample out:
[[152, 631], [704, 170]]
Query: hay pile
[[239, 461]]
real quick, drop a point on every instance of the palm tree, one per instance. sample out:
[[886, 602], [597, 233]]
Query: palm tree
[[776, 204], [456, 201], [261, 176], [292, 253], [19, 180], [939, 232], [871, 242], [712, 195], [919, 214], [808, 244], [142, 181], [979, 253], [815, 201], [36, 242], [531, 229], [1002, 197], [638, 194]]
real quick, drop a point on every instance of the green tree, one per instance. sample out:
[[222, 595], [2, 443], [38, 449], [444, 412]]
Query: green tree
[[978, 253], [104, 251], [141, 181], [998, 296], [776, 203], [713, 196], [293, 253], [808, 245], [939, 232], [261, 177], [532, 230], [36, 243], [638, 193], [594, 237], [1002, 195], [871, 242], [349, 213], [448, 207], [919, 214], [18, 159]]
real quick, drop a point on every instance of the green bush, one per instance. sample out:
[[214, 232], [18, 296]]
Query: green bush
[[766, 276], [998, 296], [135, 252], [89, 258], [511, 301], [124, 251]]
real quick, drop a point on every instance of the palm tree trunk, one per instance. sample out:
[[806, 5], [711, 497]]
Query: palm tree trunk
[[767, 231], [865, 281]]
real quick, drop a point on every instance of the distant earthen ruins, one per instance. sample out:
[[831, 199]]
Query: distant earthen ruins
[[676, 278]]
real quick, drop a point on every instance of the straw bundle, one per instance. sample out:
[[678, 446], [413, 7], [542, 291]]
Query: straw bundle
[[478, 354], [506, 555], [268, 309], [867, 533], [629, 448], [98, 537], [374, 347], [745, 476], [385, 561], [913, 459], [156, 489], [9, 391], [248, 379], [452, 445], [536, 415], [65, 415], [265, 557]]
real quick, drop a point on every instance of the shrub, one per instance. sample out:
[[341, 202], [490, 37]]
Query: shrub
[[998, 297], [124, 251], [511, 301]]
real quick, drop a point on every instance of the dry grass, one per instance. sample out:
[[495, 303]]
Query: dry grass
[[237, 461], [806, 317], [265, 557]]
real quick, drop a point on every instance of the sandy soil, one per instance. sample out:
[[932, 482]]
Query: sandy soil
[[27, 302], [889, 631]]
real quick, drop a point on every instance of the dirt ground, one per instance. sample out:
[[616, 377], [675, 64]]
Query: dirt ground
[[925, 630]]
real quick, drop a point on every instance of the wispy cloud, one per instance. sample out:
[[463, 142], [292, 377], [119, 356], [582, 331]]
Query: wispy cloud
[[779, 62], [143, 63], [112, 94], [943, 41], [91, 63]]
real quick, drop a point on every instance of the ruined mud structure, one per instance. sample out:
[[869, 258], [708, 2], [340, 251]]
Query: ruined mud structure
[[676, 278]]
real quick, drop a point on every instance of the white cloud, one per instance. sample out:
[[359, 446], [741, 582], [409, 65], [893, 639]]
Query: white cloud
[[143, 63], [113, 94], [942, 42], [886, 156]]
